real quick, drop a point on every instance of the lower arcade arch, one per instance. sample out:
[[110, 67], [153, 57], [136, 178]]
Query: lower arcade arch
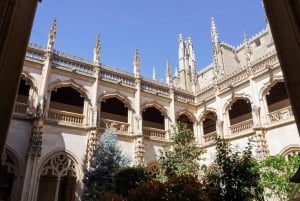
[[10, 178], [58, 178]]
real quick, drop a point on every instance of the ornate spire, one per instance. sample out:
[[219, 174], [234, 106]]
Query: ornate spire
[[214, 36], [136, 63], [176, 72], [97, 50], [154, 73], [247, 49], [51, 35], [168, 73]]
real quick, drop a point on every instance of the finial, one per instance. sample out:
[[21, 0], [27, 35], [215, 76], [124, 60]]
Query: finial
[[51, 35], [168, 72], [180, 38], [247, 49], [136, 62], [214, 34], [176, 72], [154, 73], [97, 51]]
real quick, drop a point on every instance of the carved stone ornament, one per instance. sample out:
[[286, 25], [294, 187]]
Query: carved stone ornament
[[35, 146], [60, 165], [139, 151]]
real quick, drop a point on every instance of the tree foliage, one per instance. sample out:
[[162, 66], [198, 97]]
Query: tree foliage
[[181, 157], [235, 174], [275, 172], [128, 178], [107, 159], [183, 187]]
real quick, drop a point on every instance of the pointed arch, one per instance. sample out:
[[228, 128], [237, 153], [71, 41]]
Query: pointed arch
[[30, 80], [205, 112], [117, 95], [268, 85], [67, 153], [59, 175], [11, 175], [290, 150], [236, 97], [70, 83], [187, 113], [156, 106]]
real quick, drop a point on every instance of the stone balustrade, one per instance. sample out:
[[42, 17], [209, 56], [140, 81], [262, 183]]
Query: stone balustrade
[[241, 128], [154, 132], [155, 88], [65, 117], [59, 61], [20, 108], [188, 98], [115, 126], [281, 115], [209, 137], [116, 77]]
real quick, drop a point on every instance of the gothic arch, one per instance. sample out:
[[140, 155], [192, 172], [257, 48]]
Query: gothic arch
[[290, 149], [30, 80], [156, 106], [70, 83], [205, 112], [72, 163], [11, 174], [268, 85], [59, 176], [15, 159], [117, 95], [236, 97], [187, 113]]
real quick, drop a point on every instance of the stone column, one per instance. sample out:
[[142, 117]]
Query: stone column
[[172, 123], [34, 153], [138, 128]]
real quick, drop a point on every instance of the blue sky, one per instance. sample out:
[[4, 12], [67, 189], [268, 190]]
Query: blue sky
[[151, 26]]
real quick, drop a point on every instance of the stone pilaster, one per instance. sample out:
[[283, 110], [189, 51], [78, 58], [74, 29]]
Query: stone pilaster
[[139, 150], [34, 153]]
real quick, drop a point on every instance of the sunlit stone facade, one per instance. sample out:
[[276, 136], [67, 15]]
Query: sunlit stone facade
[[65, 103]]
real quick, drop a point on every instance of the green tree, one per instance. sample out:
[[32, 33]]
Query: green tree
[[128, 178], [181, 188], [107, 159], [182, 156], [275, 172], [235, 175]]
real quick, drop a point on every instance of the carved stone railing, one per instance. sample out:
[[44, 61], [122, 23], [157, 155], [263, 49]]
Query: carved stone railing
[[154, 132], [116, 126], [35, 52], [205, 94], [73, 65], [20, 108], [154, 87], [281, 115], [188, 98], [116, 77], [240, 75], [65, 117], [241, 127], [209, 137], [267, 60]]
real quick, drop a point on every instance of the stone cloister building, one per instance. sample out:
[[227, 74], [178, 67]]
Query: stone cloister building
[[64, 103]]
